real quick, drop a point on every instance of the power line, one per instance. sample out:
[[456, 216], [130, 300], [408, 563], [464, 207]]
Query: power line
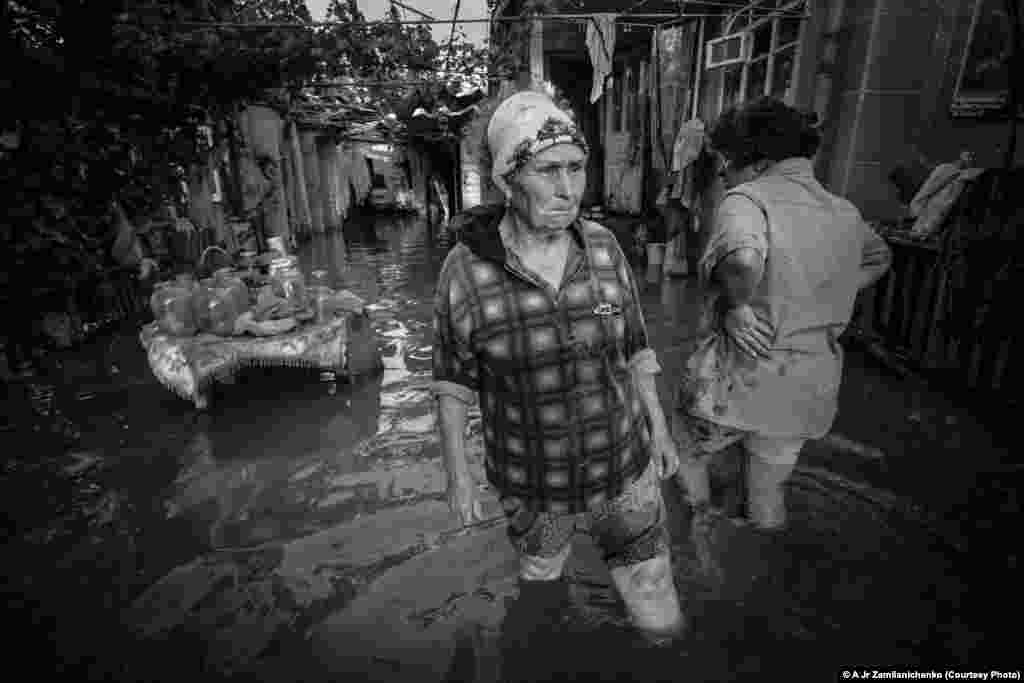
[[451, 38], [623, 18]]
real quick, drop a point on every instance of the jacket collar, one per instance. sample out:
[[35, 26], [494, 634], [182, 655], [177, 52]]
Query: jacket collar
[[794, 166], [478, 229]]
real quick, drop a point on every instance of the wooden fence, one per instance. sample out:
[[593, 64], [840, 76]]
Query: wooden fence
[[947, 305]]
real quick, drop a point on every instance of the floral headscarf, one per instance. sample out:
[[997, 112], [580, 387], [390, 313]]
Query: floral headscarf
[[523, 126]]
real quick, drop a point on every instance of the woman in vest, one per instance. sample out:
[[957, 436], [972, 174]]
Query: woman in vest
[[781, 269]]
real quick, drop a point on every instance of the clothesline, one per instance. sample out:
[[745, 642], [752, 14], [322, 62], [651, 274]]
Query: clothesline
[[642, 19]]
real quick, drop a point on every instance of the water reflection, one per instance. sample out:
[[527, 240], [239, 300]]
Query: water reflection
[[283, 455], [285, 461]]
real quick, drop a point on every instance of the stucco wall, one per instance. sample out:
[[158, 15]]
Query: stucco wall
[[882, 74], [894, 79]]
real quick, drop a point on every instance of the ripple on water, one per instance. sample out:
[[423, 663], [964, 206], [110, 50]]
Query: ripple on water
[[858, 573]]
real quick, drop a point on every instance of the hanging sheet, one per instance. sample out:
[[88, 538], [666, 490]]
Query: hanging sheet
[[344, 180], [361, 180], [311, 168], [601, 46], [304, 218], [327, 185], [673, 53]]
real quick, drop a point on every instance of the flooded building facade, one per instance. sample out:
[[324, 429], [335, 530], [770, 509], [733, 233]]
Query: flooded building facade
[[894, 83]]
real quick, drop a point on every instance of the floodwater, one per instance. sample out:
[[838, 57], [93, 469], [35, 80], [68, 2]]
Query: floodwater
[[296, 530]]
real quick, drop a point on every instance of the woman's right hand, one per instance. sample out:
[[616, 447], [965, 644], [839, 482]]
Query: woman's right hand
[[750, 333], [464, 500]]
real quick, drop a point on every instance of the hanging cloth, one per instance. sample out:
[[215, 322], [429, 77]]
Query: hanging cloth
[[689, 143], [360, 175], [344, 184], [659, 160], [933, 202], [601, 45]]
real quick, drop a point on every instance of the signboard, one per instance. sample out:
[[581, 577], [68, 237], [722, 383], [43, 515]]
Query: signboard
[[983, 85]]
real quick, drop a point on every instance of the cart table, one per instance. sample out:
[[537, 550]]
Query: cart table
[[189, 365]]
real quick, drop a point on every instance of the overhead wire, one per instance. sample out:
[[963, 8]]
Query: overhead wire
[[623, 18], [641, 20], [451, 38]]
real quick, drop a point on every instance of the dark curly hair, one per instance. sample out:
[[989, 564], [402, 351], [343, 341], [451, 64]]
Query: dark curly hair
[[765, 129]]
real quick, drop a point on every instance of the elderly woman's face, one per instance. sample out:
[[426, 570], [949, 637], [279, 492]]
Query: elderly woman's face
[[546, 192]]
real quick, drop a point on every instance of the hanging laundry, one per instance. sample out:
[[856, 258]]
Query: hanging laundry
[[344, 195], [263, 131], [304, 218], [328, 192], [672, 74], [311, 167], [254, 184], [689, 143], [601, 45], [934, 200], [361, 181], [659, 161]]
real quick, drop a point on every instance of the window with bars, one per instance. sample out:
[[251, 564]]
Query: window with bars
[[774, 27]]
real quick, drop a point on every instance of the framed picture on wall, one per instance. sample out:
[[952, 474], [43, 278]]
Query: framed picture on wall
[[983, 84]]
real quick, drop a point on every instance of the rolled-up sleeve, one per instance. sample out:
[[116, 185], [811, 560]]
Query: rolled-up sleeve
[[739, 224], [642, 357], [456, 371]]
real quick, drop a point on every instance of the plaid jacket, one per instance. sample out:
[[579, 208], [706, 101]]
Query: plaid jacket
[[564, 428]]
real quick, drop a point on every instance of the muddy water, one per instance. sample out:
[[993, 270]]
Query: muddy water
[[110, 482], [297, 526]]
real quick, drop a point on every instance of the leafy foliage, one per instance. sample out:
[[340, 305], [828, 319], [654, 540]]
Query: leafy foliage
[[108, 97]]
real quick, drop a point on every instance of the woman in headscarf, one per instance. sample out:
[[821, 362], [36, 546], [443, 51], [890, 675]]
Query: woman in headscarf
[[537, 318], [782, 267]]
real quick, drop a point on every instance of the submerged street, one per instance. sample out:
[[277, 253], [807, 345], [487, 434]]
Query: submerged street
[[297, 529]]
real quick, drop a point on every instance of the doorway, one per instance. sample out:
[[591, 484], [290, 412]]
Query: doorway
[[572, 76]]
